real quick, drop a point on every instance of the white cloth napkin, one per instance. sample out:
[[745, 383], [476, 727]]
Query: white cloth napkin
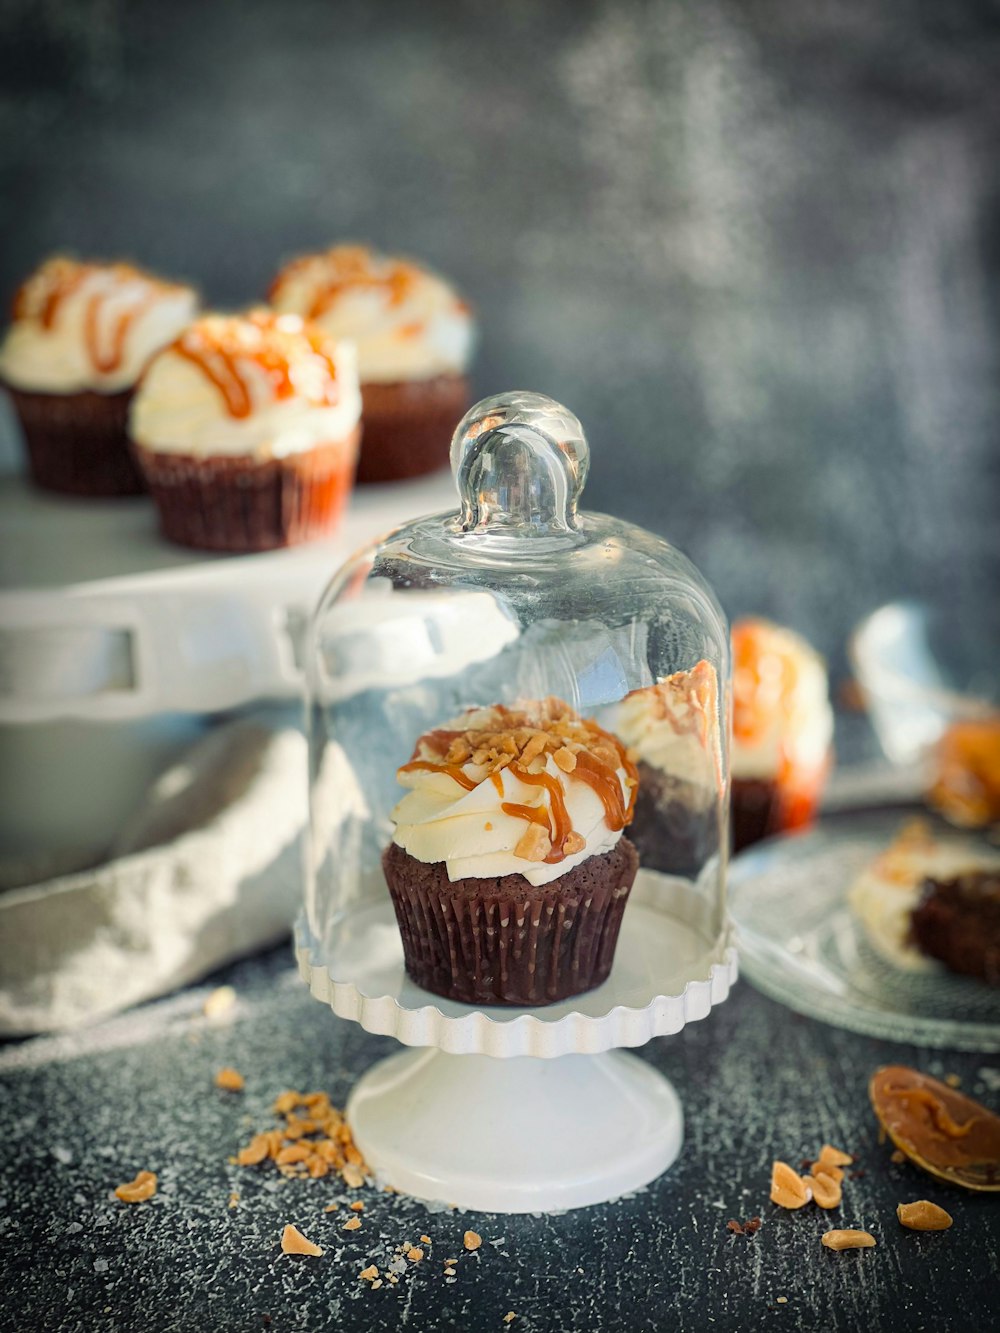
[[209, 870]]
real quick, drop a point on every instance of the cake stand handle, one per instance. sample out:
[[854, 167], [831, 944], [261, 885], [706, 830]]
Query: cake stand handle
[[518, 1135]]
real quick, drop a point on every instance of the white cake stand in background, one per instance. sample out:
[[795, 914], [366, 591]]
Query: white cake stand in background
[[523, 1110]]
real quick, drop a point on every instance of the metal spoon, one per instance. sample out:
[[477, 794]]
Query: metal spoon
[[942, 1131]]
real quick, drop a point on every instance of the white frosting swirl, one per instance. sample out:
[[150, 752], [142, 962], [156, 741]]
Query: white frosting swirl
[[59, 356], [440, 821], [407, 322], [674, 726], [179, 409], [782, 719]]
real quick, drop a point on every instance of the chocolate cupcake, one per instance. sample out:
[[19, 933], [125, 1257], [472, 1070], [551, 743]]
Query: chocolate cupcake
[[782, 731], [414, 338], [672, 729], [508, 870], [246, 430], [80, 338]]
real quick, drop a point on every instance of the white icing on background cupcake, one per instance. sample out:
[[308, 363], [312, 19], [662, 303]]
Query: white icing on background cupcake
[[83, 326], [673, 726], [259, 385], [408, 323]]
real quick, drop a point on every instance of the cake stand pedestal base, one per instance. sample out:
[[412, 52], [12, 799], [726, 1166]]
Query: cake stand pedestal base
[[519, 1135]]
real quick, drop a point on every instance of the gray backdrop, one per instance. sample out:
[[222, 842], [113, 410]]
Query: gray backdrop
[[755, 246]]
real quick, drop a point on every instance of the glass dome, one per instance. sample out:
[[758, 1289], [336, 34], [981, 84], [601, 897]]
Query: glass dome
[[576, 640]]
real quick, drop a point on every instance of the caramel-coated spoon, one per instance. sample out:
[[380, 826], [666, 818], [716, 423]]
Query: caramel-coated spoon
[[940, 1130]]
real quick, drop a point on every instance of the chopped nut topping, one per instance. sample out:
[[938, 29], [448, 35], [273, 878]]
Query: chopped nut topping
[[534, 844], [414, 1254], [369, 1274], [138, 1190], [848, 1240], [309, 1146], [923, 1216], [565, 759], [574, 843], [230, 1079], [831, 1156], [352, 1224], [472, 1240], [293, 1242], [219, 1001], [826, 1191], [788, 1189], [834, 1173]]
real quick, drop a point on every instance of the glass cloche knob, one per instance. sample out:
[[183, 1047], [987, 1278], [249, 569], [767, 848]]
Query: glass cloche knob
[[520, 462]]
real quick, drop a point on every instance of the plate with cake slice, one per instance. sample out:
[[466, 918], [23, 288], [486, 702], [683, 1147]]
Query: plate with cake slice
[[881, 922]]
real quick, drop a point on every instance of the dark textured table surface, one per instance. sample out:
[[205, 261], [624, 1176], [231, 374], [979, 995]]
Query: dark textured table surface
[[79, 1115]]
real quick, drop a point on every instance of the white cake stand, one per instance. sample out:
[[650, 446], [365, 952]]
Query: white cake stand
[[523, 1110]]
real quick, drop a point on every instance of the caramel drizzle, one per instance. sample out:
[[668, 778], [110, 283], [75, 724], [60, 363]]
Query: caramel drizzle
[[221, 369], [65, 280], [220, 364], [348, 267], [452, 770], [555, 820], [938, 1113], [106, 363]]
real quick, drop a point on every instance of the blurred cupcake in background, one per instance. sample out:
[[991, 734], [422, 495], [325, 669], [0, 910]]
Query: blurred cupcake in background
[[246, 429], [80, 337], [782, 731], [414, 337], [672, 731]]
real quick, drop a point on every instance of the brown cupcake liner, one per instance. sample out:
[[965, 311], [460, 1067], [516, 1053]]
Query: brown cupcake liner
[[240, 505], [77, 443], [504, 941], [408, 426]]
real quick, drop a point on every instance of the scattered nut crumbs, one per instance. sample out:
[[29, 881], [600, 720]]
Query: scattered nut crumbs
[[314, 1141], [449, 1272], [234, 1200], [376, 1284], [414, 1254], [331, 1207], [369, 1274], [748, 1228], [897, 1157], [953, 1080], [782, 1300], [788, 1190], [426, 1239], [231, 1080], [352, 1224], [923, 1216], [293, 1242], [138, 1190], [472, 1240], [509, 1317], [219, 1001], [848, 1240]]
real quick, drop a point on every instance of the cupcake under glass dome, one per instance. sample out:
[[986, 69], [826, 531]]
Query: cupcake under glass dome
[[503, 702]]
